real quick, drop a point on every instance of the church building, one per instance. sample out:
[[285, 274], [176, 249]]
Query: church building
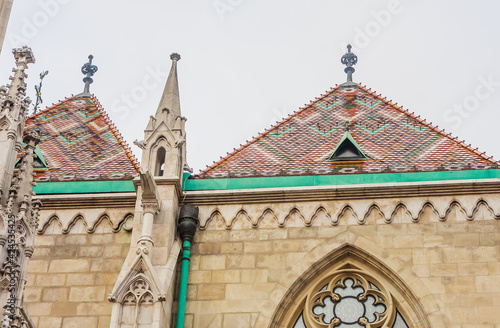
[[352, 212]]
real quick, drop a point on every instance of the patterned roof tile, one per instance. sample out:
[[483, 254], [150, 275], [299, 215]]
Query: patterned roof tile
[[79, 142], [394, 139]]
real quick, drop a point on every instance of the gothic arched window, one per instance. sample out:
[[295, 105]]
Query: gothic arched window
[[160, 162]]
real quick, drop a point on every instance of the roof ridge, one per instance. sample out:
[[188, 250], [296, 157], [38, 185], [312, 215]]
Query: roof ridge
[[429, 124], [273, 127], [116, 133]]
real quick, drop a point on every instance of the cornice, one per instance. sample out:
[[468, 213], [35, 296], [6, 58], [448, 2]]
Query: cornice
[[96, 200]]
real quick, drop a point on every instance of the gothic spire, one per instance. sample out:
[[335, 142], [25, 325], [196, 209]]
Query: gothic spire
[[170, 98]]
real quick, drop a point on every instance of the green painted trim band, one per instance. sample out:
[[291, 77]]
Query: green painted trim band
[[83, 187], [181, 308], [333, 180]]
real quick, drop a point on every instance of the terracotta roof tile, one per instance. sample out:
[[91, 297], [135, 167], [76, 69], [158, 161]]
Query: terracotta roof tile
[[79, 142], [394, 139]]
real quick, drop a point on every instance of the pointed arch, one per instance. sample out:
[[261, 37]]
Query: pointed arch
[[54, 218], [216, 214], [241, 219], [101, 220], [293, 211], [127, 222], [160, 161], [159, 154], [316, 215], [344, 211], [4, 123], [416, 305], [373, 208], [267, 212], [73, 222], [400, 207]]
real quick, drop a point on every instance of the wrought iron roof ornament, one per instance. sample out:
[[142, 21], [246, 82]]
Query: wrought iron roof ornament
[[349, 59], [38, 89], [88, 70]]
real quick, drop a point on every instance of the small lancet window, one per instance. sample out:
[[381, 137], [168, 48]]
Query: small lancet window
[[347, 149], [160, 162]]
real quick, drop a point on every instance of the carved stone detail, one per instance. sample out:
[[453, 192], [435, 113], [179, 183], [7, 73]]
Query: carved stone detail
[[355, 213]]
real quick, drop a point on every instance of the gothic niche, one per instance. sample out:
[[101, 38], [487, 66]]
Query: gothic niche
[[137, 305]]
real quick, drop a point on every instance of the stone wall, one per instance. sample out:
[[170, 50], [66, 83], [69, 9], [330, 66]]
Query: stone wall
[[71, 275], [242, 267]]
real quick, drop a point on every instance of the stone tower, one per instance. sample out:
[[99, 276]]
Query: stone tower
[[143, 294]]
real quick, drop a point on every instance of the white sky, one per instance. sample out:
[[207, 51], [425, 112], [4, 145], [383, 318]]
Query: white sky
[[248, 63]]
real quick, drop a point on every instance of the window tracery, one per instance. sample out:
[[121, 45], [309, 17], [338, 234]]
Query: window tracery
[[139, 298], [349, 298]]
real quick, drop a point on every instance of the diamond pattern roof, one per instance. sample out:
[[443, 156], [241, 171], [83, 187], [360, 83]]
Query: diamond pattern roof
[[79, 142], [393, 139]]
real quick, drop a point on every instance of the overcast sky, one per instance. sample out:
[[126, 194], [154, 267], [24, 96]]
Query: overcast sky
[[248, 63]]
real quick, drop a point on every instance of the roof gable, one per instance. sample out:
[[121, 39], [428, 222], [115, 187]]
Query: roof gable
[[79, 142], [393, 139]]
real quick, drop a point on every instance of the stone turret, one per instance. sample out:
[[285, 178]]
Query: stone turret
[[17, 210], [13, 112], [149, 269]]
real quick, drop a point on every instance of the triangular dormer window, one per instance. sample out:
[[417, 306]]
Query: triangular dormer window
[[39, 162], [348, 150]]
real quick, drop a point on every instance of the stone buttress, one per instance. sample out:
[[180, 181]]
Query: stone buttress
[[144, 291]]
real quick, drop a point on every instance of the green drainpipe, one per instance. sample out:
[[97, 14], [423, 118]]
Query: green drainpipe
[[188, 221]]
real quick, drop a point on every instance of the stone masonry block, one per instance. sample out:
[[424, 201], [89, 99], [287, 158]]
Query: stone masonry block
[[213, 262], [211, 292], [79, 322], [51, 279], [87, 294], [69, 265], [55, 294]]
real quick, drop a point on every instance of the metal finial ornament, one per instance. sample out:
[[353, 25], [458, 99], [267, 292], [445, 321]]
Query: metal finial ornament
[[349, 59], [38, 89], [346, 126], [89, 70], [175, 56]]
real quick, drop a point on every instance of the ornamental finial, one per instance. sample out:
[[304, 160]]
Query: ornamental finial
[[349, 59], [88, 70], [175, 56]]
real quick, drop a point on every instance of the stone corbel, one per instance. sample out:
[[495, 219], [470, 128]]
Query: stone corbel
[[149, 189]]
